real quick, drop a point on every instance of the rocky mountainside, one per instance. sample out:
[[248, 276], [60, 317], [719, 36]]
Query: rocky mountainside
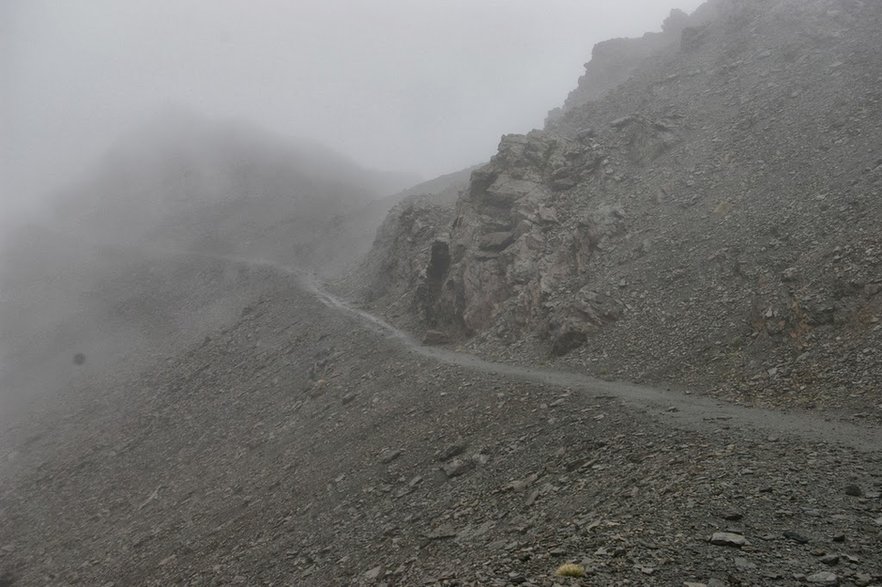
[[712, 220], [614, 61], [414, 219], [296, 445]]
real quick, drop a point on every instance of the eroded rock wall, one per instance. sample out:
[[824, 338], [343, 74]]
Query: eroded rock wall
[[714, 219]]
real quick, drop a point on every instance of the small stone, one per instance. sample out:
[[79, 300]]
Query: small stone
[[732, 516], [790, 274], [373, 574], [795, 536], [443, 532], [728, 539], [453, 450], [389, 455], [830, 559], [853, 490], [823, 578], [742, 564], [457, 467]]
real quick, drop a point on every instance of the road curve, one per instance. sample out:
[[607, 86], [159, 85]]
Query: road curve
[[679, 409]]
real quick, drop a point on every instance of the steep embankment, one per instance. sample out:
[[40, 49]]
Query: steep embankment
[[297, 446], [712, 220]]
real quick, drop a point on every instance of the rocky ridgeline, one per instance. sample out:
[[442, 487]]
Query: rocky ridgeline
[[712, 220], [614, 61]]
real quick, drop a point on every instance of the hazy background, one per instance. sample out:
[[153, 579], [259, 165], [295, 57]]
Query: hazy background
[[424, 86]]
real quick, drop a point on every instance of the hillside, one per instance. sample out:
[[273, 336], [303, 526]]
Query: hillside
[[95, 277], [523, 375], [302, 444], [711, 221]]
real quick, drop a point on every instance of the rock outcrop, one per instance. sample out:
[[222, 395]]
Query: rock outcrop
[[712, 220]]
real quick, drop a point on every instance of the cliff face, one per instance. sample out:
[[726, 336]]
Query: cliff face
[[711, 220]]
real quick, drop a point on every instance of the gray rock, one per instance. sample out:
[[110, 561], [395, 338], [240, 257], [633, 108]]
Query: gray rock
[[435, 337], [796, 536], [728, 539], [853, 490], [373, 574], [450, 451], [457, 467], [389, 455], [496, 241], [823, 578], [621, 122], [829, 559]]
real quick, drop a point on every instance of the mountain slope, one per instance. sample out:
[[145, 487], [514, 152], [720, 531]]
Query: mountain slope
[[298, 446], [712, 220], [95, 279]]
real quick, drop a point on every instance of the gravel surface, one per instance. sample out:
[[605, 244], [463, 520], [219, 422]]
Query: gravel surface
[[710, 221], [304, 445]]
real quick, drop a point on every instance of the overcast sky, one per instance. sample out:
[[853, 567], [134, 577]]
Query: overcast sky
[[426, 86]]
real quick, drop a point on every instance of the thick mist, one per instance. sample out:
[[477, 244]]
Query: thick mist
[[420, 87], [440, 292], [277, 130], [139, 258], [136, 134]]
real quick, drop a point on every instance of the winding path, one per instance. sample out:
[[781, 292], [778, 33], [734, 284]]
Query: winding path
[[680, 409]]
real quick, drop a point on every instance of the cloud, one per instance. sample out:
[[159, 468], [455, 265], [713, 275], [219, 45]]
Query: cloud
[[416, 85]]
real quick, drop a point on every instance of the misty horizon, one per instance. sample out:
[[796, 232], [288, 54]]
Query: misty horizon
[[441, 292], [420, 90]]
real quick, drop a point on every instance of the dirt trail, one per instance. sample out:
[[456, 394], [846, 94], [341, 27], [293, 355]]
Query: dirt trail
[[680, 409], [685, 410]]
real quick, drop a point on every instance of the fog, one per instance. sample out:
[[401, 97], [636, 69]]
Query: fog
[[268, 129], [423, 87]]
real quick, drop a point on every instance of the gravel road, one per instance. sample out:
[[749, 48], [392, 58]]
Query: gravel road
[[307, 443]]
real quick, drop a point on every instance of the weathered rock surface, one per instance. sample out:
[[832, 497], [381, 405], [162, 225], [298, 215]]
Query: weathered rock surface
[[218, 466], [712, 220]]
